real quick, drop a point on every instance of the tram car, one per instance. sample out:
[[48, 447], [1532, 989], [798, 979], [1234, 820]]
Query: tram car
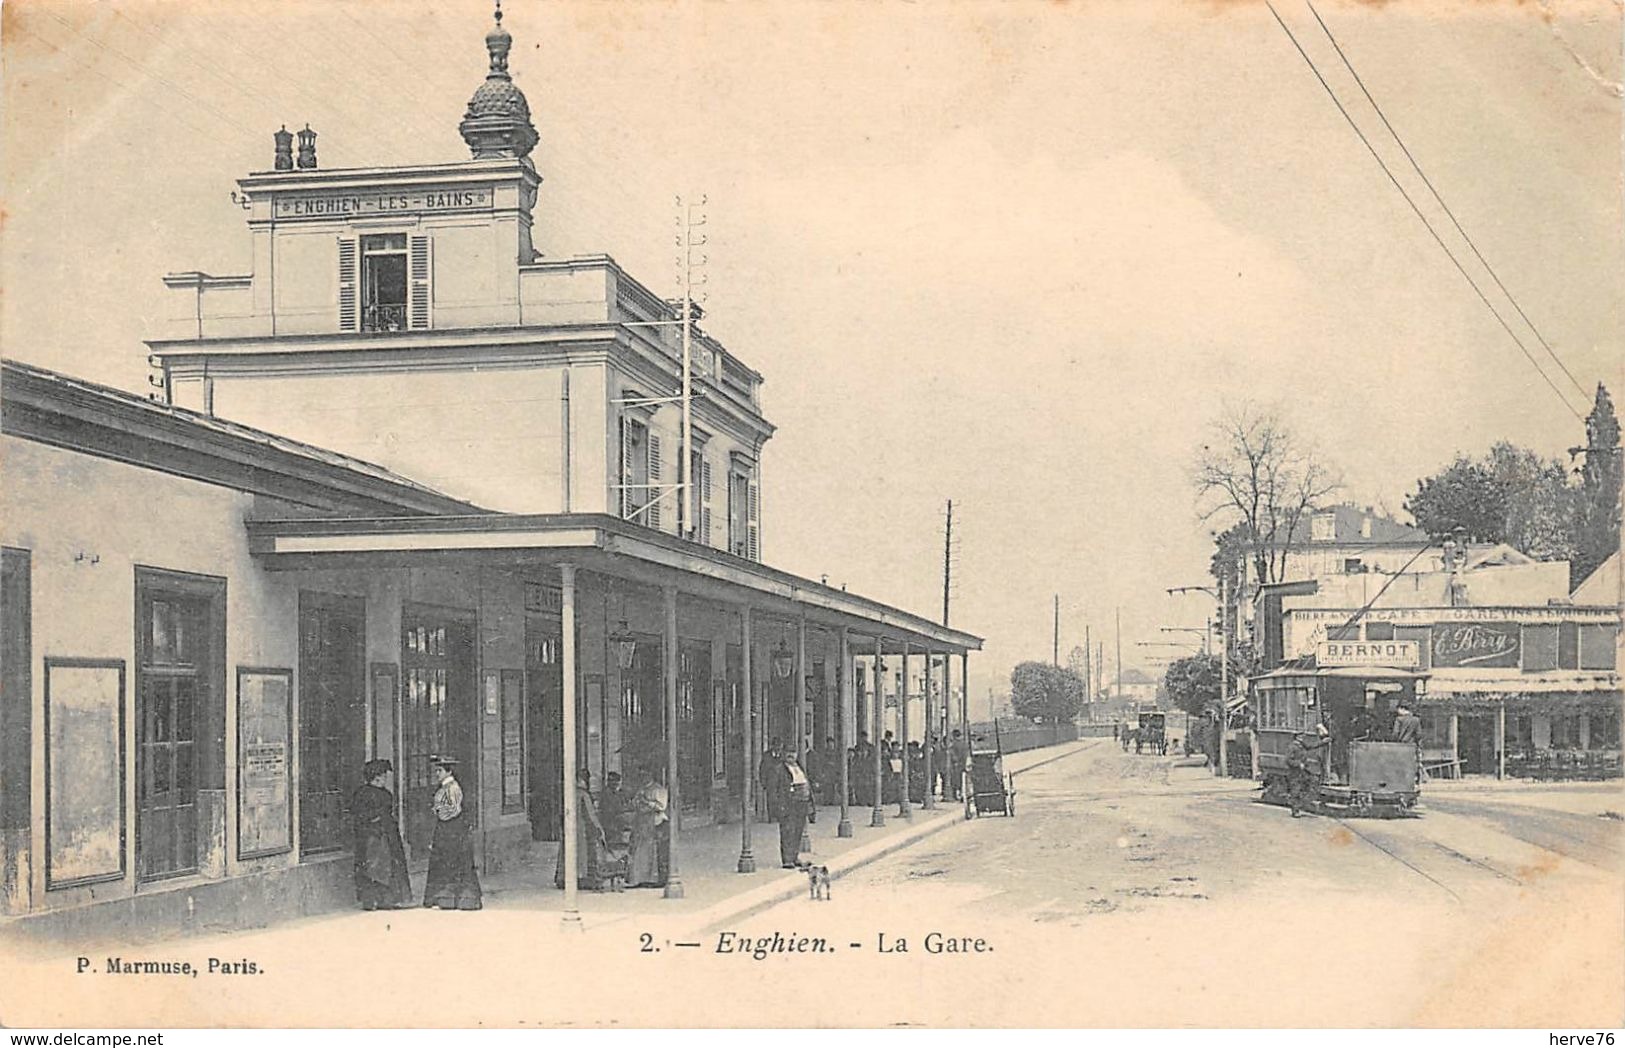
[[1359, 771]]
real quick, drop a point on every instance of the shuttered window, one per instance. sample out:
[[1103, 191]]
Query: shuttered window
[[349, 312], [421, 262], [705, 502], [652, 496], [626, 468], [755, 552]]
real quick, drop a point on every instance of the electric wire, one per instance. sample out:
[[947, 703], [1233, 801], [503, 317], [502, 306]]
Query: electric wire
[[1434, 232], [1446, 207]]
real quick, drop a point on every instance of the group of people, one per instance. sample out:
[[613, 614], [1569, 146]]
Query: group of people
[[381, 878], [948, 757], [1305, 757], [623, 835]]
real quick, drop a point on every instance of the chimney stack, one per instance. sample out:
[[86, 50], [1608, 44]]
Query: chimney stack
[[284, 149], [307, 148]]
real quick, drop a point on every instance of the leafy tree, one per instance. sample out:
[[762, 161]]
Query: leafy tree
[[1464, 495], [1510, 495], [1264, 479], [1045, 693], [1077, 663], [1599, 499], [1192, 683]]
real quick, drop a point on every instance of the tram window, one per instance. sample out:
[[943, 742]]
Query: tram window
[[1379, 631]]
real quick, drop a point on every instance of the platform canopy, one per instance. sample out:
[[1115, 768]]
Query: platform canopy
[[596, 543]]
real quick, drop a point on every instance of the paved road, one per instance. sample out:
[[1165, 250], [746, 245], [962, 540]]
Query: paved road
[[1158, 895]]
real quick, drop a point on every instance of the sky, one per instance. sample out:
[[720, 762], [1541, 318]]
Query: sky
[[1019, 255]]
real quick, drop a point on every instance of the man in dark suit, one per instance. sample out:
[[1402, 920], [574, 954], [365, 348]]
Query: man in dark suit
[[1407, 726], [788, 797]]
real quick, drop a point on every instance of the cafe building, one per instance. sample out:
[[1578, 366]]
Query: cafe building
[[1516, 680], [407, 487]]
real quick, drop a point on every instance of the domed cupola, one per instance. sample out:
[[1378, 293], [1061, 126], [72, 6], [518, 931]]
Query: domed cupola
[[497, 123]]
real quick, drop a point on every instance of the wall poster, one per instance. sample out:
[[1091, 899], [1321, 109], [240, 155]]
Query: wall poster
[[513, 740], [84, 771], [264, 741], [385, 678]]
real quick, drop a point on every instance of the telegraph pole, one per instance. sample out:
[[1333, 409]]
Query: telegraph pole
[[1088, 681], [1119, 611], [947, 561], [1224, 676], [688, 242], [1055, 655]]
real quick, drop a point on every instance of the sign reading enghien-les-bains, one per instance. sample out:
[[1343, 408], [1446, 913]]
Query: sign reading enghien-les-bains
[[1401, 654], [341, 205]]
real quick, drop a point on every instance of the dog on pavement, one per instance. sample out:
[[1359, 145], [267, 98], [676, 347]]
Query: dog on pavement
[[818, 882]]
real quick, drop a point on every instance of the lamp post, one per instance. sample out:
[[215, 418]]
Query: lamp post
[[877, 816]]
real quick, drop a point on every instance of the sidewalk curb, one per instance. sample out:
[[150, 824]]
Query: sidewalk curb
[[791, 885]]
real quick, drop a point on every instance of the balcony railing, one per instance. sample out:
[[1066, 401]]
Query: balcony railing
[[384, 317]]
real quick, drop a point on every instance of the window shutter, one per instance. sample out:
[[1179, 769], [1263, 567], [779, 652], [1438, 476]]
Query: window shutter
[[755, 550], [705, 501], [626, 468], [349, 261], [420, 262], [653, 517]]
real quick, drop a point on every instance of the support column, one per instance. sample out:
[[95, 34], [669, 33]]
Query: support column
[[903, 808], [930, 801], [1455, 745], [747, 861], [570, 845], [1501, 739], [801, 724], [674, 883], [964, 694], [950, 773], [845, 684], [877, 816]]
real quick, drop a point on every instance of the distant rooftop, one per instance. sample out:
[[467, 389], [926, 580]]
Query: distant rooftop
[[1351, 524]]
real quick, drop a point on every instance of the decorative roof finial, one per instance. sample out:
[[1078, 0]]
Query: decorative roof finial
[[497, 123]]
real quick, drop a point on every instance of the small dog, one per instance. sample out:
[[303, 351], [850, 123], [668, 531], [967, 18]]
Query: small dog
[[818, 882]]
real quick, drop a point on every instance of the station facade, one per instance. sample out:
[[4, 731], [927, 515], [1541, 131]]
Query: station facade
[[410, 488]]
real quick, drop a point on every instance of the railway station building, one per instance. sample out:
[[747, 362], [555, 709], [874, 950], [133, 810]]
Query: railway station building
[[409, 487]]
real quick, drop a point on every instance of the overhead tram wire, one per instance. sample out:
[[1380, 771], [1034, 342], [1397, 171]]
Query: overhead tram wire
[[1435, 233], [1446, 207]]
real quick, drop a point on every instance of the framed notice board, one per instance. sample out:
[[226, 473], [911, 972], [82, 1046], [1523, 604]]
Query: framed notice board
[[264, 772], [84, 771]]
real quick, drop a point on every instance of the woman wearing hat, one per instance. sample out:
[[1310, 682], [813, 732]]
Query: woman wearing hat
[[381, 882], [452, 883]]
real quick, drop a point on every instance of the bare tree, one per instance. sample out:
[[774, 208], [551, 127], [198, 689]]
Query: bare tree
[[1257, 475]]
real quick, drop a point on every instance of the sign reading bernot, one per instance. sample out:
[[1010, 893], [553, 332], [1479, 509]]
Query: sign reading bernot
[[1400, 654]]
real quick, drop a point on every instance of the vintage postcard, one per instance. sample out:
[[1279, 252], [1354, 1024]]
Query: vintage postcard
[[786, 514]]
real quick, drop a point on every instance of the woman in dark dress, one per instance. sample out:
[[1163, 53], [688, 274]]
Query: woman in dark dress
[[590, 844], [381, 882], [452, 883]]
